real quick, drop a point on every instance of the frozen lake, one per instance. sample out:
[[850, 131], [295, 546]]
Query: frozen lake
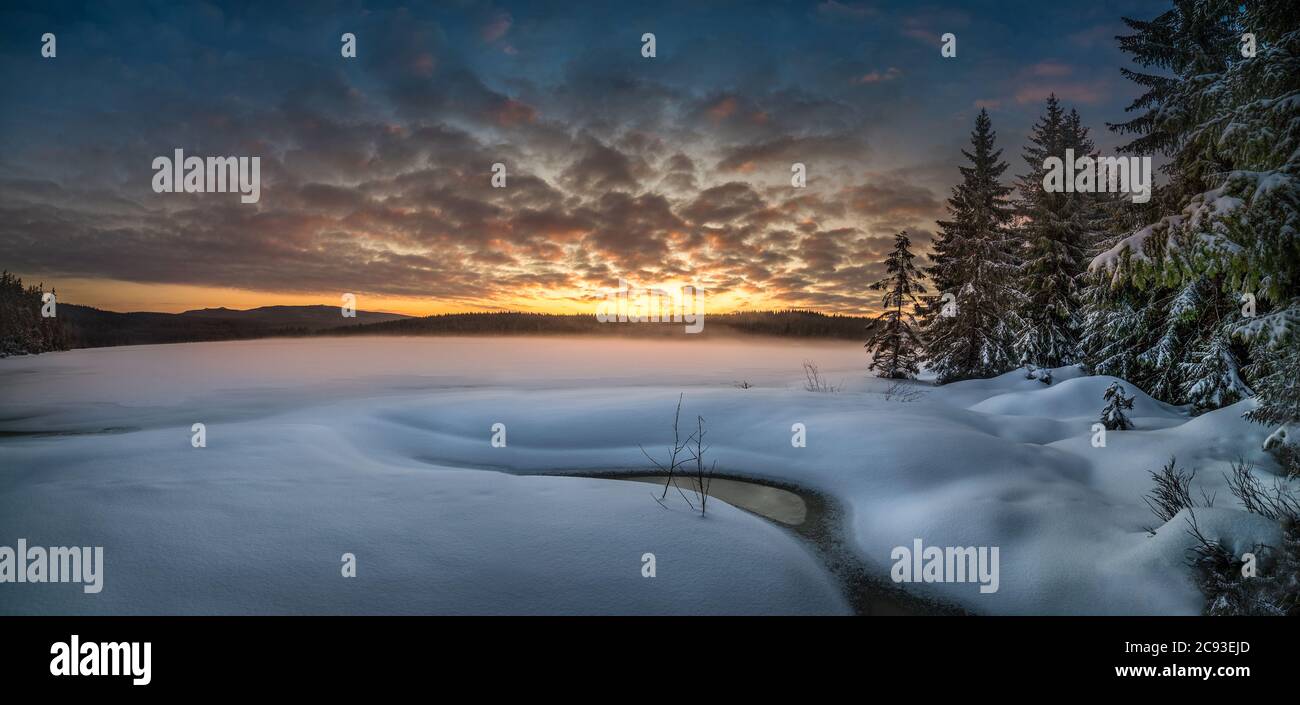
[[382, 448], [313, 451]]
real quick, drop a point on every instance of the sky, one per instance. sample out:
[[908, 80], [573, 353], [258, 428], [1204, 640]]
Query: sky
[[376, 171]]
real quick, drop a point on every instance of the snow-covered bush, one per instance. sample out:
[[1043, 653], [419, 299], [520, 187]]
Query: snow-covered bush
[[1229, 592], [1112, 416], [1288, 456], [1271, 586], [1284, 445]]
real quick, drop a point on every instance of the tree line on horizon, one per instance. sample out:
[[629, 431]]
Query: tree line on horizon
[[798, 323], [23, 331]]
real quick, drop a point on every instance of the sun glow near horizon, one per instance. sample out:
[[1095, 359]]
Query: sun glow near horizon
[[126, 297]]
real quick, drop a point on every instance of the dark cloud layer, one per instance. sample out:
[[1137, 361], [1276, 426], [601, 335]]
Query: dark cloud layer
[[376, 171]]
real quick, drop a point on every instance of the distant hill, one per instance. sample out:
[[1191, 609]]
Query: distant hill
[[309, 317], [88, 327], [800, 324]]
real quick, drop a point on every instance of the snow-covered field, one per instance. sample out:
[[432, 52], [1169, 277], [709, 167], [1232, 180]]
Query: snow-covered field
[[380, 447]]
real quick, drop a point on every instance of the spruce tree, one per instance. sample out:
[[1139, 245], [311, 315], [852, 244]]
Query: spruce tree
[[1213, 377], [1056, 230], [1112, 415], [1227, 221], [1121, 321], [971, 322], [893, 341]]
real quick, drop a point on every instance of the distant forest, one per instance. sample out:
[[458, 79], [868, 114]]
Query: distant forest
[[793, 323], [23, 330]]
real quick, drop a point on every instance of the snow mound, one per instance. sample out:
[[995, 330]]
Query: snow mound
[[1073, 399], [970, 391]]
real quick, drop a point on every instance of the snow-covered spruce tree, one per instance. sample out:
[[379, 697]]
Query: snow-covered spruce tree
[[1056, 230], [1188, 322], [1153, 335], [1278, 390], [1099, 215], [1117, 327], [1112, 415], [971, 332], [1212, 379], [893, 341], [1230, 215], [1119, 320]]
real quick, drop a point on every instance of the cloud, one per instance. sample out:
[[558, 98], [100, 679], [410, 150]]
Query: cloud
[[1049, 68], [601, 167], [720, 204], [877, 76], [891, 199], [376, 171], [1088, 93], [496, 27], [512, 112], [845, 10], [1097, 34], [723, 109], [785, 150]]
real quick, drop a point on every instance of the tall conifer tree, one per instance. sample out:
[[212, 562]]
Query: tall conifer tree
[[971, 322], [1225, 237], [893, 341], [1056, 229]]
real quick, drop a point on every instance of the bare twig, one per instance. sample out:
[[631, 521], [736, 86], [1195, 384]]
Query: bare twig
[[1279, 504], [693, 445], [902, 391], [702, 480], [1172, 492], [813, 381], [678, 447]]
